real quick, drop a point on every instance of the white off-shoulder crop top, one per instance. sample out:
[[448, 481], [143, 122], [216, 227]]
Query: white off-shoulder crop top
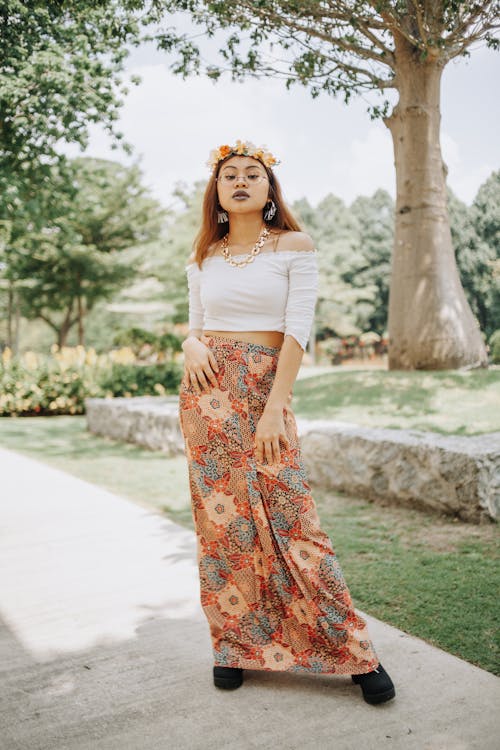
[[277, 291]]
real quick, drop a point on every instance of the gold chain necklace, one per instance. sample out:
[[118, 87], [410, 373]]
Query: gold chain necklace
[[253, 252]]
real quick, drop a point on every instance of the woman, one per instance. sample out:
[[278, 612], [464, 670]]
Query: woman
[[271, 586]]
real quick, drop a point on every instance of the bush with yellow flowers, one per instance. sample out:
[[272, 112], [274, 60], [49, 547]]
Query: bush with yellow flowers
[[58, 383]]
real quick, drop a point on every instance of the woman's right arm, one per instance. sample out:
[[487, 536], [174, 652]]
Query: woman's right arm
[[199, 361], [195, 306]]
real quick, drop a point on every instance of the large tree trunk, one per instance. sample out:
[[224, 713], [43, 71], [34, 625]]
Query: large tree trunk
[[431, 325]]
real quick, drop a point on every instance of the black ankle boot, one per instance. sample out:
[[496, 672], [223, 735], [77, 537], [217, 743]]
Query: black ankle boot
[[228, 677], [377, 686]]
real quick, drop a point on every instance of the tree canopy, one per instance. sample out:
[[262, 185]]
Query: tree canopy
[[76, 258], [340, 47]]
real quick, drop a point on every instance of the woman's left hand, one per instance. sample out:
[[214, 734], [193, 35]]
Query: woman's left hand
[[270, 430]]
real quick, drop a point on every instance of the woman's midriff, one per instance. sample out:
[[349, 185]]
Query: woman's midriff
[[266, 338]]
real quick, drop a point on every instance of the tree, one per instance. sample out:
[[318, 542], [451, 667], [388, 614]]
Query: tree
[[347, 48], [476, 239], [341, 307], [170, 269], [89, 250], [375, 217], [60, 70]]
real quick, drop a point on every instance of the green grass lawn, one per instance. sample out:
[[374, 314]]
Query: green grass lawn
[[429, 576], [450, 402]]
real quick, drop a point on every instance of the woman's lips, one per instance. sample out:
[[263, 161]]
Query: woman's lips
[[240, 197]]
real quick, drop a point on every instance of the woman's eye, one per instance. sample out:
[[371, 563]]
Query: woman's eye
[[255, 177]]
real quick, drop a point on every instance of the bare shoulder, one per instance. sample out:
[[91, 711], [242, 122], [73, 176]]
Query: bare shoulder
[[296, 241], [212, 249]]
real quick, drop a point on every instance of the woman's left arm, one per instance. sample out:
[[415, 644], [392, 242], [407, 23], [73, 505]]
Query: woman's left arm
[[302, 295], [289, 361], [271, 425]]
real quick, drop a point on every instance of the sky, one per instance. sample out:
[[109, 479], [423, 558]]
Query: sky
[[324, 145]]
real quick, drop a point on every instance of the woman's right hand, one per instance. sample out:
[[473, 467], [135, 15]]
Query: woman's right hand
[[199, 364]]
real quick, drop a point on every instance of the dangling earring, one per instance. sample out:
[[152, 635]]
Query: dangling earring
[[270, 211], [222, 217]]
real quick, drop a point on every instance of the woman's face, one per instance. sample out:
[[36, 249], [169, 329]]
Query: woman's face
[[242, 173]]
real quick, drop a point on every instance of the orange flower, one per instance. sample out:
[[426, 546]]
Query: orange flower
[[242, 460], [208, 598], [197, 452], [244, 148], [255, 652], [188, 400], [232, 623], [239, 408], [251, 380], [237, 355], [220, 484], [302, 657], [241, 560]]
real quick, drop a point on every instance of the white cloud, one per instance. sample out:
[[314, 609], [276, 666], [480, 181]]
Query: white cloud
[[365, 165], [325, 146], [450, 150], [464, 179]]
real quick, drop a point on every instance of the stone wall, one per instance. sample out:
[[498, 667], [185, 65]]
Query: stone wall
[[459, 476], [151, 421]]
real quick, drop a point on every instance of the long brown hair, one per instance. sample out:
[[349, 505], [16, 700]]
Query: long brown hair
[[211, 231]]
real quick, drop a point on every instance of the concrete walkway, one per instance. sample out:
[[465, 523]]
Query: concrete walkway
[[104, 646]]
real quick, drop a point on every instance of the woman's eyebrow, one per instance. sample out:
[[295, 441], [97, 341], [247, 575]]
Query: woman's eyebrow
[[250, 166]]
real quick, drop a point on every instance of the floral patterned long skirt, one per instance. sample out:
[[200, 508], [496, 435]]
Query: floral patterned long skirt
[[271, 586]]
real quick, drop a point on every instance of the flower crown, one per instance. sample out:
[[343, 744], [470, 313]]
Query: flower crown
[[242, 148]]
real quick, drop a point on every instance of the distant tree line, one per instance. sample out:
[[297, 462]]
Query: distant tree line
[[107, 233], [73, 233]]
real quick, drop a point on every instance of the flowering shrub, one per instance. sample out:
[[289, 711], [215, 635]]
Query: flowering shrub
[[58, 384], [148, 346], [133, 380]]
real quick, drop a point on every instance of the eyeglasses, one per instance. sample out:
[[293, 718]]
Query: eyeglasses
[[229, 177]]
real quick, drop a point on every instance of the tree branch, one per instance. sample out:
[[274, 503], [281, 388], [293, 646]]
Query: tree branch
[[478, 10], [467, 41], [420, 21], [378, 82], [345, 12], [395, 22], [388, 54], [49, 322], [343, 44], [387, 58]]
